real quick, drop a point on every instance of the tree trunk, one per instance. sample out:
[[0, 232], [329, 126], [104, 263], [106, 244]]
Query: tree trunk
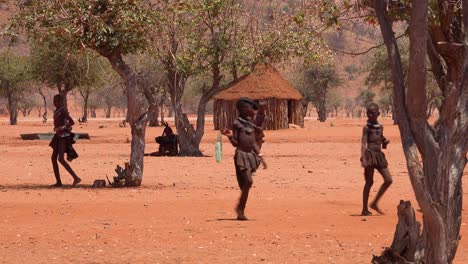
[[189, 145], [437, 181], [359, 112], [189, 137], [320, 100], [321, 112], [12, 108], [153, 115], [151, 90], [162, 111], [93, 112], [63, 95], [108, 110], [305, 106], [234, 70], [85, 96], [136, 117], [171, 111], [44, 115]]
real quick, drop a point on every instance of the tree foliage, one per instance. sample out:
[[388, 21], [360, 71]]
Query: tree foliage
[[318, 78], [223, 39], [334, 101], [108, 27], [379, 75], [351, 70], [64, 69], [15, 73]]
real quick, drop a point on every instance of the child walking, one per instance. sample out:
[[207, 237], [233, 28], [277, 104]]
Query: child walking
[[62, 142], [372, 158], [247, 159]]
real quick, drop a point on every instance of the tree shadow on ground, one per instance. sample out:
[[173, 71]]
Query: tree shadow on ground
[[26, 187], [21, 187]]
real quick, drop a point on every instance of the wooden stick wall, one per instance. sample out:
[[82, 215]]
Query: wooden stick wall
[[280, 113]]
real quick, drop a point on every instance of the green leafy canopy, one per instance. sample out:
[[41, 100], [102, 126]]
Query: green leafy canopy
[[107, 26]]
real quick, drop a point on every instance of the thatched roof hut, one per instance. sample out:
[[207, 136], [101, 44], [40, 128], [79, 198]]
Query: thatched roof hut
[[265, 83]]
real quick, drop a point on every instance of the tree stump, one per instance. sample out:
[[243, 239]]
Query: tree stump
[[124, 177], [406, 240]]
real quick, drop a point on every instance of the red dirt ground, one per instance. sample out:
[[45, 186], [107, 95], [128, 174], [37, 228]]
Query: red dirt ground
[[304, 208]]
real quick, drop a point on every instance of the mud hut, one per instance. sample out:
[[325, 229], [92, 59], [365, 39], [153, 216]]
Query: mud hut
[[265, 83]]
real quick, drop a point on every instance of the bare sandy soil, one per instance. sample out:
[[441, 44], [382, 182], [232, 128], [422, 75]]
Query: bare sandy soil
[[303, 209]]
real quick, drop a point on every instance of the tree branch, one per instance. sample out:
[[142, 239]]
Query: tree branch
[[365, 51], [438, 66]]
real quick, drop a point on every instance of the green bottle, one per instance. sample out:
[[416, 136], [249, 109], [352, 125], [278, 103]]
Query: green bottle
[[219, 148]]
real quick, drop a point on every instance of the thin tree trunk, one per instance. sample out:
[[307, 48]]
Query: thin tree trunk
[[321, 111], [162, 111], [63, 95], [12, 108], [85, 96], [24, 111], [305, 106], [137, 118], [93, 112], [235, 76], [151, 91], [205, 98], [108, 111], [171, 111], [44, 115]]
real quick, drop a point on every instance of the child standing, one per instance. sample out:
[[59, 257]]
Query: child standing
[[373, 158], [247, 158], [62, 142]]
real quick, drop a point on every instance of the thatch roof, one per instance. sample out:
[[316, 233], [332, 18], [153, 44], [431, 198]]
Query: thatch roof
[[264, 83]]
